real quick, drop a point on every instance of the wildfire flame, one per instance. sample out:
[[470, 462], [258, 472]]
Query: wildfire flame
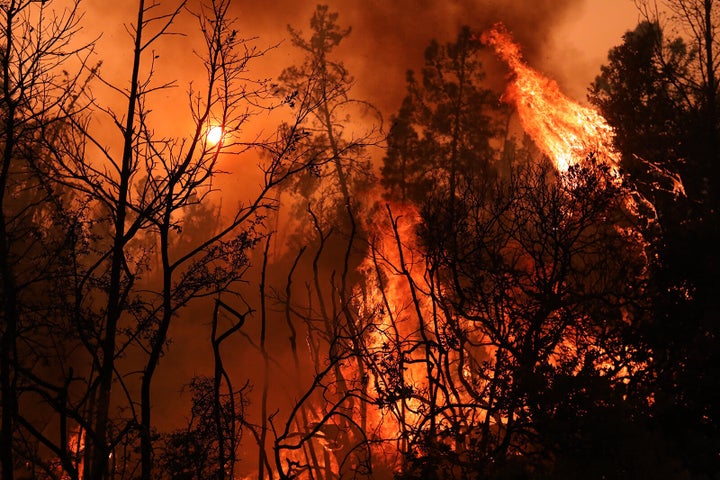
[[395, 298], [564, 130], [567, 133]]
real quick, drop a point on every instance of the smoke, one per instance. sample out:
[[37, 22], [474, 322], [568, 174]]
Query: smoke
[[568, 39], [388, 38]]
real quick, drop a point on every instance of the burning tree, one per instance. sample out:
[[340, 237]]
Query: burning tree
[[489, 327], [326, 432], [482, 331]]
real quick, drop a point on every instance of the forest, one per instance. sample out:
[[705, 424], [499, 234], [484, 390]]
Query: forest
[[260, 277]]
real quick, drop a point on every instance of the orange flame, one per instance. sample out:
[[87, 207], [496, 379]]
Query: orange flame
[[564, 130], [398, 296]]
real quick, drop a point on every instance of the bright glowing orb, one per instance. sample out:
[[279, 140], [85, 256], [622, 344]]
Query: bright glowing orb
[[214, 135]]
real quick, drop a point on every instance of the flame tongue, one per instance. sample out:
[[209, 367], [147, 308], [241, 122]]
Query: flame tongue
[[563, 129]]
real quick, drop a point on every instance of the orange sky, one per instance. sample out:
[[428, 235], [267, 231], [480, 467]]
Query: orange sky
[[581, 43], [567, 39]]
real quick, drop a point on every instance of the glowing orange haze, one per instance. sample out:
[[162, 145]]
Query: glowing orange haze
[[563, 129]]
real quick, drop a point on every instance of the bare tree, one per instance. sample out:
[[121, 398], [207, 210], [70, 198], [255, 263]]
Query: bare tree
[[38, 47], [116, 210]]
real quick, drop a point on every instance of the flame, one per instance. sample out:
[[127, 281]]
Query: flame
[[75, 449], [395, 298], [398, 297], [389, 302], [400, 302], [564, 130]]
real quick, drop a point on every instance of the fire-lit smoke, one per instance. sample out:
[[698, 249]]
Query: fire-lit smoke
[[564, 130]]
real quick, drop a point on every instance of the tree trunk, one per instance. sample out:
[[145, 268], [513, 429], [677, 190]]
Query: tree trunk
[[99, 444]]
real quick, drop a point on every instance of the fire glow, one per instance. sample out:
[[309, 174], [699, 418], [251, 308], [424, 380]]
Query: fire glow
[[397, 292], [564, 130]]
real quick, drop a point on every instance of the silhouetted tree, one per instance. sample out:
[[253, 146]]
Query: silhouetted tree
[[443, 131], [193, 453], [41, 228], [101, 221], [697, 21], [343, 166], [531, 298], [638, 93], [675, 108]]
